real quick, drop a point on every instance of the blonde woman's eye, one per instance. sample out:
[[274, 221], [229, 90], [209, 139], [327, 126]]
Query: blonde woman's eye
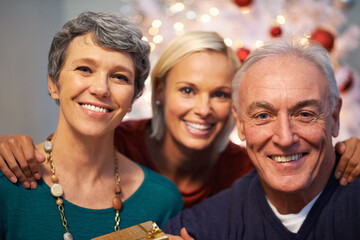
[[186, 90], [221, 94]]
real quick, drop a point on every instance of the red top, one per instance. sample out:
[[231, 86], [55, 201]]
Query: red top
[[233, 161]]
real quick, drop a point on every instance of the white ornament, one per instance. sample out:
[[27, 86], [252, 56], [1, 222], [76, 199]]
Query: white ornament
[[57, 190], [48, 146], [68, 236]]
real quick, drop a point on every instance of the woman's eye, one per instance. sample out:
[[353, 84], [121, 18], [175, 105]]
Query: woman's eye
[[84, 69], [221, 94], [121, 77], [186, 90]]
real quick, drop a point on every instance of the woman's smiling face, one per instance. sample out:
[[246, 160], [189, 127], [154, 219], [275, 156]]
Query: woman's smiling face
[[95, 88], [197, 99]]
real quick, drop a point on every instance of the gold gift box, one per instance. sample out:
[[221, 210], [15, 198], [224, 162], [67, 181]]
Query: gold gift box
[[144, 231]]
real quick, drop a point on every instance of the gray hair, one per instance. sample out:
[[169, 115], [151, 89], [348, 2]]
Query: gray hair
[[110, 31], [291, 46], [177, 50]]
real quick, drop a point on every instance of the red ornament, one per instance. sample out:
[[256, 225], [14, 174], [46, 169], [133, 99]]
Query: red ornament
[[324, 37], [349, 82], [275, 31], [243, 3], [242, 54]]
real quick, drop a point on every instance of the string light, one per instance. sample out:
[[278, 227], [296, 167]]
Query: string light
[[178, 26], [280, 19], [259, 43], [153, 31], [205, 18], [214, 11], [228, 42], [177, 7], [191, 15], [157, 39], [156, 23]]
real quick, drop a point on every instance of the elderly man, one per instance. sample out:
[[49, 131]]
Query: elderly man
[[287, 105]]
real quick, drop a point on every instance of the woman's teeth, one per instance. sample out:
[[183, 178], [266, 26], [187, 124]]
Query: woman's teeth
[[94, 108], [198, 127], [286, 158]]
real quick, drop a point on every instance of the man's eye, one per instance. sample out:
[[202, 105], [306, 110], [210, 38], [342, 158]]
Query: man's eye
[[305, 117], [186, 90], [262, 116], [83, 69]]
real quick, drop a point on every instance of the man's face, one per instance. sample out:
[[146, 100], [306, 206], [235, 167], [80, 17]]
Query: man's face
[[285, 116]]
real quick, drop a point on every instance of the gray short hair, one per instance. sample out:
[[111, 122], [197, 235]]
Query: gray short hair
[[291, 46], [177, 50], [110, 31]]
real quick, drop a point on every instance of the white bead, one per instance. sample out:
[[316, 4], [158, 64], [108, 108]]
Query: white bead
[[57, 190], [48, 146], [68, 236]]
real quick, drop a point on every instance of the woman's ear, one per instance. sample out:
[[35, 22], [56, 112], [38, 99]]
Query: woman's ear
[[159, 91], [53, 89]]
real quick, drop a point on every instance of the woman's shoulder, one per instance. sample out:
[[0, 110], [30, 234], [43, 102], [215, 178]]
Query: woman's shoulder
[[159, 181]]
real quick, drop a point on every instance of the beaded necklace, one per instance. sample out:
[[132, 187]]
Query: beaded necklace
[[57, 191]]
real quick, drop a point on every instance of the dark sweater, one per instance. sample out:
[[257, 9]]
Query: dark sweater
[[242, 212]]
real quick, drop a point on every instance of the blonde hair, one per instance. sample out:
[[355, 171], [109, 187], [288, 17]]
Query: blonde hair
[[177, 50]]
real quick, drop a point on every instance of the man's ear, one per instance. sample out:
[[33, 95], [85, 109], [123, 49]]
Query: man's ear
[[53, 88], [336, 119], [239, 123]]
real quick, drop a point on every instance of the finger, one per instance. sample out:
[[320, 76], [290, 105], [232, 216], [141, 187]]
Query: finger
[[12, 164], [22, 158], [340, 147], [185, 235], [30, 156], [347, 149], [6, 171], [340, 168], [40, 159], [352, 170]]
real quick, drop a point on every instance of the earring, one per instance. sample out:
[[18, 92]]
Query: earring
[[157, 102]]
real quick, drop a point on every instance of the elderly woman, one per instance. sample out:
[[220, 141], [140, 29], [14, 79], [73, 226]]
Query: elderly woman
[[187, 139], [97, 67]]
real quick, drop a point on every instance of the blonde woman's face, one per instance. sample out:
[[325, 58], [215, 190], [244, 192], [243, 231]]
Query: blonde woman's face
[[197, 99]]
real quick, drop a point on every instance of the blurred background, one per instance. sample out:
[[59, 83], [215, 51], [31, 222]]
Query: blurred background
[[27, 28]]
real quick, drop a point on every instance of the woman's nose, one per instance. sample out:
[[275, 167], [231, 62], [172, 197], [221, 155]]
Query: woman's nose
[[203, 106], [100, 86]]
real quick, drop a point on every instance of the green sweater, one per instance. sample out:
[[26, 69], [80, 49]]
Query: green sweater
[[33, 214]]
